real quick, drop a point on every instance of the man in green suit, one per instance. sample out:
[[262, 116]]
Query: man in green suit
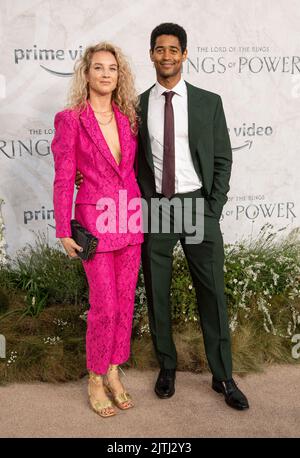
[[185, 152]]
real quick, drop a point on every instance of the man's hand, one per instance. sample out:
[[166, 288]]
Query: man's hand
[[78, 179], [70, 246]]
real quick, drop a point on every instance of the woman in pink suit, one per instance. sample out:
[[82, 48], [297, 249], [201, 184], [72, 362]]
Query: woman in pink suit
[[97, 134]]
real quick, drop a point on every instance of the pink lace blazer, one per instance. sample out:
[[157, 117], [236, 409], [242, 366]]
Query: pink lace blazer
[[79, 144]]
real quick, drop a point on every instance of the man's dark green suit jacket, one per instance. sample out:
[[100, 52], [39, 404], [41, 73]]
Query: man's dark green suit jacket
[[209, 145]]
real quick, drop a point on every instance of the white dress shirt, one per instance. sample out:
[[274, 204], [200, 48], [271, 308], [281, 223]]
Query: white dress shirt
[[186, 178]]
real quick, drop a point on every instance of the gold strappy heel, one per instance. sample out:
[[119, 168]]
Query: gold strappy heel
[[122, 400], [102, 408]]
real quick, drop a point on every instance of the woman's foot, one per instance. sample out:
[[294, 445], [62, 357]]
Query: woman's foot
[[112, 381], [100, 403]]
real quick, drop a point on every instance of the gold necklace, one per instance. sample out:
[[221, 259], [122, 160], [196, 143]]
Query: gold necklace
[[106, 123], [101, 112]]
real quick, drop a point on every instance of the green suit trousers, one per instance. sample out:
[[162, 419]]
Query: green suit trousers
[[205, 261]]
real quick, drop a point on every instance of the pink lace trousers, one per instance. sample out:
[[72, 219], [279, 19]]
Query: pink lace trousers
[[112, 278]]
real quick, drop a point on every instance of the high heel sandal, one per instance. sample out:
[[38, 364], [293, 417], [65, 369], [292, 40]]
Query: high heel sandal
[[122, 400], [102, 408]]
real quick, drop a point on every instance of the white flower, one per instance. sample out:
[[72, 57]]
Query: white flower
[[52, 340], [233, 323], [60, 322], [12, 358], [84, 315], [144, 329]]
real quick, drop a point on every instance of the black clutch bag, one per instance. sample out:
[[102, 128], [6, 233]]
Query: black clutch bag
[[85, 239]]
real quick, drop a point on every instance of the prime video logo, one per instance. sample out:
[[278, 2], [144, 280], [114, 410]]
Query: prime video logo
[[47, 56]]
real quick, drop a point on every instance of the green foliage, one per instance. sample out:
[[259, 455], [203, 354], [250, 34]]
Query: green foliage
[[48, 347], [47, 276], [262, 276], [183, 297], [4, 302], [44, 320], [259, 275]]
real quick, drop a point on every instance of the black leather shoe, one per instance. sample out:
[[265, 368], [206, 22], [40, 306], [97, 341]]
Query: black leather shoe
[[233, 396], [165, 384]]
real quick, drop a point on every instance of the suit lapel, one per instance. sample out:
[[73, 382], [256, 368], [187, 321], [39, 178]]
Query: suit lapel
[[91, 126], [197, 117], [144, 133], [197, 120], [124, 139]]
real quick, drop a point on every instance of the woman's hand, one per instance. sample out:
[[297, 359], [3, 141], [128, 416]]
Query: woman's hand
[[70, 246]]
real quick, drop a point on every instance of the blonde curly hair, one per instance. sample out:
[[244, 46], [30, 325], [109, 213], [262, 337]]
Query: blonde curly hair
[[125, 95]]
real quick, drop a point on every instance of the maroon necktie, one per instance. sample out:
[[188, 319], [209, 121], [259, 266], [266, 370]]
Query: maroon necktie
[[168, 176]]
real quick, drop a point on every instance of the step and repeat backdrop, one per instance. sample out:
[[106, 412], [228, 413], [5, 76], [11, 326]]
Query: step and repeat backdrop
[[248, 52]]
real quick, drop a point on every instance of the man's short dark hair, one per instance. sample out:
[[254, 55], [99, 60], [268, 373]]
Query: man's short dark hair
[[168, 28]]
